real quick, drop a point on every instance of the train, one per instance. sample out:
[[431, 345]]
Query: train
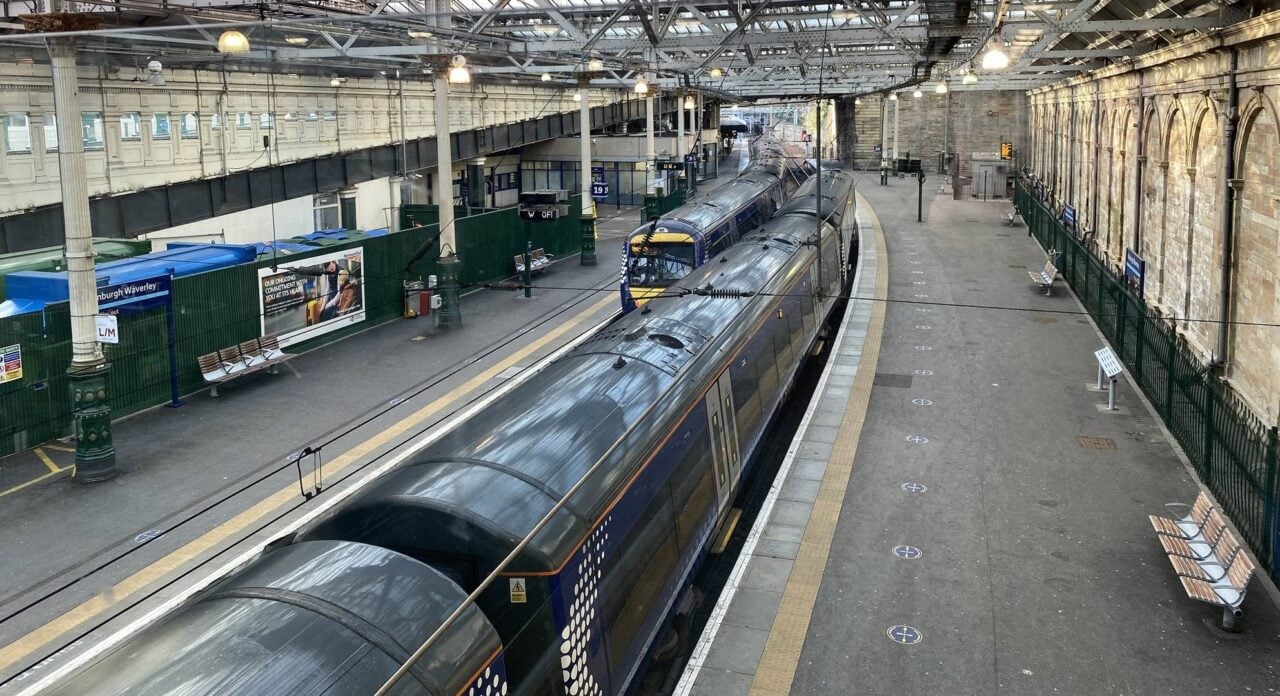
[[662, 251], [586, 496]]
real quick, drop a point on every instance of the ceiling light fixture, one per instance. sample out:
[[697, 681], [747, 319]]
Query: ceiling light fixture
[[689, 103], [893, 96], [595, 65], [641, 87], [717, 73], [232, 41], [969, 77], [546, 77], [296, 40], [458, 73], [577, 96], [995, 58], [941, 88], [917, 94], [154, 77]]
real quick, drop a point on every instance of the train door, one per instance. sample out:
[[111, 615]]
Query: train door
[[725, 457]]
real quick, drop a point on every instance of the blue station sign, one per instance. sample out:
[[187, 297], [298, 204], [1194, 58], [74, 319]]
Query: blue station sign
[[135, 295]]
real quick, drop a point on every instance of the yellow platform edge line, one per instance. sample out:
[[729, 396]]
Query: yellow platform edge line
[[148, 576], [776, 671]]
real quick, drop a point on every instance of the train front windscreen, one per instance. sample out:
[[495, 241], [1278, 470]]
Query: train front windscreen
[[659, 260]]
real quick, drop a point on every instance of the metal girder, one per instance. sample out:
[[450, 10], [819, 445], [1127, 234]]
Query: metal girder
[[486, 19], [737, 31], [600, 30]]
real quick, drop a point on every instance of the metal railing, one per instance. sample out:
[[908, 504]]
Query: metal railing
[[1233, 451]]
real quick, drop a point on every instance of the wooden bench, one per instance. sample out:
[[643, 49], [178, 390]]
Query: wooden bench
[[539, 260], [239, 360], [1044, 278], [1208, 558]]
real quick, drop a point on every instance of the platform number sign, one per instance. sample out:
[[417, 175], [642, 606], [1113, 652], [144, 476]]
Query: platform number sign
[[519, 592], [599, 190], [1006, 151]]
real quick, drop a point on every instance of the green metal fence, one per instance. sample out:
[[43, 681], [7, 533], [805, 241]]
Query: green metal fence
[[657, 206], [1234, 453], [221, 308]]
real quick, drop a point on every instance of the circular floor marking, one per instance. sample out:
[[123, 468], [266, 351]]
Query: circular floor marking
[[917, 439], [909, 553], [924, 373], [924, 347], [148, 535], [904, 635], [922, 402], [913, 487]]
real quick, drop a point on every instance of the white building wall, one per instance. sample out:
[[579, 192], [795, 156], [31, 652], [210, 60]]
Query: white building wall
[[308, 118]]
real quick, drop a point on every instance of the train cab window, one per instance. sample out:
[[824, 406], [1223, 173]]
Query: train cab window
[[659, 263]]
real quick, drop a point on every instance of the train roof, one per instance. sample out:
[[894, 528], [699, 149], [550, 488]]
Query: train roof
[[837, 187], [477, 491], [320, 617]]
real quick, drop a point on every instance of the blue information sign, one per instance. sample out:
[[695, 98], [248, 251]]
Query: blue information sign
[[598, 170], [1134, 268], [1069, 217], [599, 190], [135, 294], [690, 159]]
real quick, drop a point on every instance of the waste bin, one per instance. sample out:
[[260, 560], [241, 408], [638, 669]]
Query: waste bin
[[417, 299]]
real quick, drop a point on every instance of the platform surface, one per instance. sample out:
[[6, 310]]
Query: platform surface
[[1031, 567]]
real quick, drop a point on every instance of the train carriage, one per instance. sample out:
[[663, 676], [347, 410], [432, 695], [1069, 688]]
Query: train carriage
[[632, 447]]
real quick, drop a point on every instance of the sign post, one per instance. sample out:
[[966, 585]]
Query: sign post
[[920, 195], [1108, 365]]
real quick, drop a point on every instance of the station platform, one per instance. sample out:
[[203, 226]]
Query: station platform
[[956, 515]]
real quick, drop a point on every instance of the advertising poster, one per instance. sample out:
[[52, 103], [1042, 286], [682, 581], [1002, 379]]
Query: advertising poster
[[310, 297], [10, 363]]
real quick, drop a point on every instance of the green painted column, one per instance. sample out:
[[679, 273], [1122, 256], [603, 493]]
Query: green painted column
[[450, 313], [588, 257], [91, 415]]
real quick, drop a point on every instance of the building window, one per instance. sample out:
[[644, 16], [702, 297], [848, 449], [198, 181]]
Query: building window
[[215, 122], [265, 121], [17, 133], [50, 123], [328, 216], [131, 126], [159, 126], [244, 119], [189, 126], [330, 116], [313, 116], [91, 129], [291, 116]]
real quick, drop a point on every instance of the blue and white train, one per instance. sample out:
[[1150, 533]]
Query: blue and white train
[[661, 252], [664, 408]]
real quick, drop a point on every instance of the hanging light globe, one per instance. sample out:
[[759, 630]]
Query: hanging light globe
[[689, 103], [546, 77], [717, 72], [941, 88], [641, 87], [893, 96], [232, 41], [917, 94], [577, 96], [595, 64], [995, 59], [970, 78], [458, 73]]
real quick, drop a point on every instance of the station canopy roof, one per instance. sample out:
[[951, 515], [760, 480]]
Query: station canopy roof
[[738, 49]]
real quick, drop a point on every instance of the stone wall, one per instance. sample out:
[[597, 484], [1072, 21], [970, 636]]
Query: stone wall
[[1140, 150]]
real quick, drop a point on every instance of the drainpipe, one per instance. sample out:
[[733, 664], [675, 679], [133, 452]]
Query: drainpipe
[[1230, 185], [1097, 156], [1070, 198], [1141, 161]]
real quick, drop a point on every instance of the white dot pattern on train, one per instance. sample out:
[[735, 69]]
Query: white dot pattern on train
[[578, 679]]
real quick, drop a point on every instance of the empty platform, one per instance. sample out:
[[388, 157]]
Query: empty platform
[[990, 534]]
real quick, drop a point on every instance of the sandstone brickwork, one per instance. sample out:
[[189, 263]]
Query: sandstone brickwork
[[1139, 149]]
